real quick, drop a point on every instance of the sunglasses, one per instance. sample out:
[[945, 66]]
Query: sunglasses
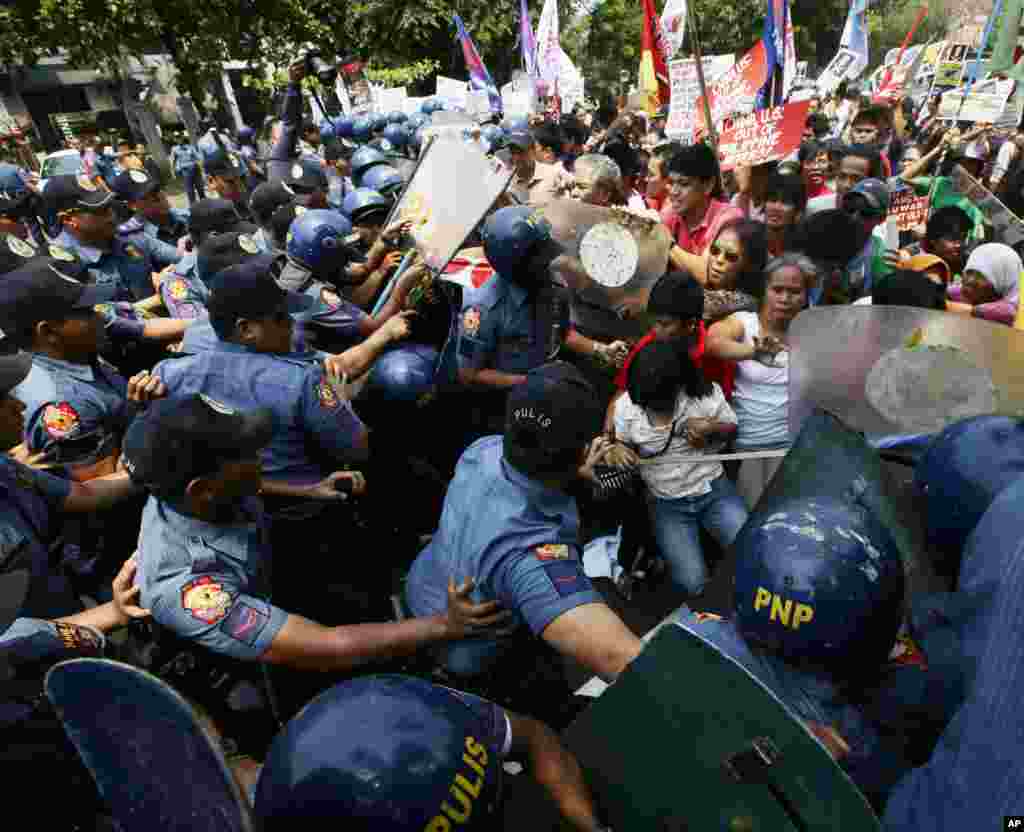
[[730, 256]]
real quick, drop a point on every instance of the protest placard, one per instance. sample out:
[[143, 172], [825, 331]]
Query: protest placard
[[478, 102], [452, 189], [390, 99], [736, 90], [518, 99], [948, 74], [836, 72], [985, 103], [763, 136], [909, 209], [685, 91], [451, 90]]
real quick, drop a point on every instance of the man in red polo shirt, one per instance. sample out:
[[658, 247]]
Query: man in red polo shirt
[[691, 213]]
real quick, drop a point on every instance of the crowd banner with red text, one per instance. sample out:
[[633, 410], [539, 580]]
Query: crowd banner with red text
[[736, 90], [763, 136], [909, 209]]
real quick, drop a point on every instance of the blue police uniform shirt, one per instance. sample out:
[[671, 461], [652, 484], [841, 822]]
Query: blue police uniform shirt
[[308, 414], [279, 160], [185, 295], [35, 639], [184, 156], [497, 328], [66, 401], [128, 265], [516, 537], [135, 232], [208, 582]]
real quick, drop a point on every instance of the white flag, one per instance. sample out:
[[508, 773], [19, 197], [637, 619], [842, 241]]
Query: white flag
[[672, 27], [570, 84], [549, 52], [789, 72]]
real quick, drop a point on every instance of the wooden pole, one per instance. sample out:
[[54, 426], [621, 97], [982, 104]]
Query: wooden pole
[[695, 42]]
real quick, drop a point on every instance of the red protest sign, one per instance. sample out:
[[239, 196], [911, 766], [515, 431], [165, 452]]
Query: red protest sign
[[909, 209], [736, 90], [763, 136]]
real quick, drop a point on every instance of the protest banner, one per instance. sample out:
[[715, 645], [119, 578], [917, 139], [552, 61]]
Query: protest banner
[[948, 74], [478, 102], [451, 90], [518, 98], [763, 136], [1007, 227], [390, 99], [412, 105], [1013, 112], [685, 91], [909, 209], [736, 90], [985, 103], [451, 190], [844, 62]]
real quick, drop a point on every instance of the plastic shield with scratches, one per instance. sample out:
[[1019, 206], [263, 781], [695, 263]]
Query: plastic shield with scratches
[[155, 765]]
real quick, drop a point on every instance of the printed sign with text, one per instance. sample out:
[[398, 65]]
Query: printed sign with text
[[763, 136], [736, 91], [909, 209]]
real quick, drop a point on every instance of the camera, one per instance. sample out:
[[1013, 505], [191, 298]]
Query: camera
[[324, 71]]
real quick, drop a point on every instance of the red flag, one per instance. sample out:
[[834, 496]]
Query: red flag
[[653, 72]]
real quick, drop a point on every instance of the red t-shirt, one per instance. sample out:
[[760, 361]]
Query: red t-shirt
[[696, 354], [698, 239]]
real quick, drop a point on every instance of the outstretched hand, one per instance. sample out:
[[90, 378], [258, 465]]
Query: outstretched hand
[[466, 619]]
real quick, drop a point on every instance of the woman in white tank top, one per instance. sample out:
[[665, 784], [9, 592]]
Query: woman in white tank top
[[757, 343]]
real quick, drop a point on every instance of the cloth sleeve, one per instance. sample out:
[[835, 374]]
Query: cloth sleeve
[[330, 420]]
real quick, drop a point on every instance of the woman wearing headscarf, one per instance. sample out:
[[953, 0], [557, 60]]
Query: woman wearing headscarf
[[991, 285]]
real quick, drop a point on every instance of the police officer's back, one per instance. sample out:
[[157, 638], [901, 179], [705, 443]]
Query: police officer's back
[[154, 224]]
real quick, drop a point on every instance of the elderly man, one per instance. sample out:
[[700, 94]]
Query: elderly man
[[597, 180]]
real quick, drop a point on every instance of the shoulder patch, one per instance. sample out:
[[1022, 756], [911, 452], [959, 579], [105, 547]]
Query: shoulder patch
[[83, 640], [130, 227], [205, 599], [567, 577], [245, 623], [85, 183], [138, 177], [906, 652], [61, 420], [327, 397], [471, 321], [220, 407], [297, 171], [132, 251], [552, 551], [178, 289], [701, 617], [248, 244]]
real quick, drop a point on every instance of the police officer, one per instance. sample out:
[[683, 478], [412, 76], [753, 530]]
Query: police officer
[[224, 178], [203, 550], [355, 755], [85, 213], [283, 151], [525, 549], [307, 178], [266, 199], [249, 155], [185, 159], [363, 160], [19, 205], [155, 226], [338, 161]]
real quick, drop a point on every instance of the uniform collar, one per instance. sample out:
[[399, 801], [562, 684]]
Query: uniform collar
[[83, 372], [247, 511], [87, 254]]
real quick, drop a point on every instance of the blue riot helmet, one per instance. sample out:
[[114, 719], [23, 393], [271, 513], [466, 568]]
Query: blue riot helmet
[[397, 135], [364, 159], [415, 140], [383, 179], [431, 105], [246, 135], [518, 243], [327, 131], [362, 130], [964, 470], [404, 373], [382, 753], [820, 581], [343, 128], [492, 134], [363, 202], [397, 117], [379, 122], [320, 240], [417, 120]]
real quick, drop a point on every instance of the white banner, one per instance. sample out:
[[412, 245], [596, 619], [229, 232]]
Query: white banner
[[390, 99], [673, 26], [411, 106], [549, 63], [478, 102], [844, 66], [452, 91], [685, 91], [517, 103], [985, 103], [571, 83]]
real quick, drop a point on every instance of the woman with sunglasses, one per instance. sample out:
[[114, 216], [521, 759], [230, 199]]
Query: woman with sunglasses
[[670, 416], [757, 342], [733, 268]]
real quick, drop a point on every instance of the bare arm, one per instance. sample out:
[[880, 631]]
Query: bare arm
[[725, 341], [488, 379], [609, 415], [358, 359], [556, 769], [117, 613], [695, 264], [596, 637], [100, 493], [165, 329]]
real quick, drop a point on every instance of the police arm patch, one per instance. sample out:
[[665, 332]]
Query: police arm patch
[[79, 639], [61, 420], [178, 289], [552, 551], [567, 577], [326, 396], [471, 319], [206, 599], [245, 623]]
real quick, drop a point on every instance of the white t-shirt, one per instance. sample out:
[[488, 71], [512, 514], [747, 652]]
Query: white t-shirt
[[760, 394], [678, 472]]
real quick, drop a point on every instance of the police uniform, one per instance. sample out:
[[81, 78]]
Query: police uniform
[[308, 413], [518, 538], [65, 401], [143, 235], [128, 265], [205, 582], [185, 160], [183, 292]]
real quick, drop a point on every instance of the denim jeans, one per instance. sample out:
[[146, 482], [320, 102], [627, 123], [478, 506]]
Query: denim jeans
[[193, 177], [721, 512]]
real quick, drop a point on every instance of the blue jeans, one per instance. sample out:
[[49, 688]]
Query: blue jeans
[[721, 512]]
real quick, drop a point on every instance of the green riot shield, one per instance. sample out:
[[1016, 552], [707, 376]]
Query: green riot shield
[[687, 739]]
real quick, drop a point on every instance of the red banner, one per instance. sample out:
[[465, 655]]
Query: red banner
[[909, 209], [735, 91], [763, 136]]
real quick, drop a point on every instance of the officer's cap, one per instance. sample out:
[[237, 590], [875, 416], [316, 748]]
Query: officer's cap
[[247, 290], [338, 149], [46, 289], [219, 163], [131, 185], [178, 439], [306, 174], [268, 197], [219, 215], [15, 252], [14, 367], [17, 205], [874, 192], [70, 192], [221, 251], [549, 418]]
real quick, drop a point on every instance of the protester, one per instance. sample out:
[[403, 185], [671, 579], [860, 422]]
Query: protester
[[990, 286]]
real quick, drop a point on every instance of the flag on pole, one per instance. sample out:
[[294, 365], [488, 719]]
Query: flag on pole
[[1006, 29], [774, 37], [479, 77], [855, 36], [672, 27], [549, 51], [789, 64], [527, 41], [975, 65], [653, 72]]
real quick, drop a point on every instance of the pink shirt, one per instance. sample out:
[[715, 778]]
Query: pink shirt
[[696, 240]]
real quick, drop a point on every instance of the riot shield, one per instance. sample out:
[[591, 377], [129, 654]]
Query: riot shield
[[1006, 226], [887, 370], [688, 739], [154, 764]]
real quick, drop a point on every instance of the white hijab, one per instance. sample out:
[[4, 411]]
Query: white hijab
[[1000, 265]]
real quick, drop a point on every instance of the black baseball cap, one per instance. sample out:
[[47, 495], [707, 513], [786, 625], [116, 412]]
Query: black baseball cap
[[219, 215], [17, 205], [221, 163], [70, 192], [46, 289], [268, 197], [549, 418], [131, 185], [306, 174], [247, 290], [14, 367], [176, 440], [221, 251]]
